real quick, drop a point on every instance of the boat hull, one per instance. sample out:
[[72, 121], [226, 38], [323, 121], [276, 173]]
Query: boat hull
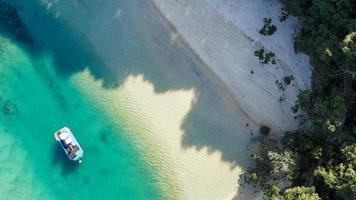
[[69, 144]]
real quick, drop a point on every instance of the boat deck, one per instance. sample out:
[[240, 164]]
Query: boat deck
[[69, 144]]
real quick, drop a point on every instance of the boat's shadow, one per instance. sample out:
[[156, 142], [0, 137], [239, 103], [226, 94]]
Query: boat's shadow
[[59, 158]]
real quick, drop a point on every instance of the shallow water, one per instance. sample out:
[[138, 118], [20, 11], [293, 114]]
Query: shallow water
[[36, 102], [111, 40], [37, 98]]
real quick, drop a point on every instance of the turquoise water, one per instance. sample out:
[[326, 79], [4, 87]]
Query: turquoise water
[[112, 40], [37, 98], [36, 102]]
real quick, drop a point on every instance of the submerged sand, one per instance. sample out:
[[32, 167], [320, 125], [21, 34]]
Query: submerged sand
[[156, 121], [193, 121], [224, 35]]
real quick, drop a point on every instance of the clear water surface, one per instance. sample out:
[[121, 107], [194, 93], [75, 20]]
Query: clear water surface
[[37, 98]]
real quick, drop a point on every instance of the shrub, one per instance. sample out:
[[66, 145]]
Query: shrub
[[265, 56], [264, 130], [253, 178], [288, 79], [268, 28], [301, 193]]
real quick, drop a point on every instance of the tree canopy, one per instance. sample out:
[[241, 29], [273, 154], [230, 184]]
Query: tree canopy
[[319, 158]]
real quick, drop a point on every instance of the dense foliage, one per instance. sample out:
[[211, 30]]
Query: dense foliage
[[268, 28], [319, 159], [265, 56]]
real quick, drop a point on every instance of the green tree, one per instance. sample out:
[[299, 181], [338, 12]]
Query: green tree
[[272, 192], [264, 130], [283, 165], [320, 156], [265, 56], [268, 28], [341, 178], [348, 47], [300, 193]]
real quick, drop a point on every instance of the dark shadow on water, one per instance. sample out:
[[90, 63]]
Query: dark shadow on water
[[12, 26], [138, 40], [142, 45], [60, 158]]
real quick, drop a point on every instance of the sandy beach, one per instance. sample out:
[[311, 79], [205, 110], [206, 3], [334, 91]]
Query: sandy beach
[[197, 139], [183, 90], [177, 99], [224, 34], [185, 172]]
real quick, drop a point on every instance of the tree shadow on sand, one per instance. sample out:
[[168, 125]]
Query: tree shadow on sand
[[212, 125], [138, 42]]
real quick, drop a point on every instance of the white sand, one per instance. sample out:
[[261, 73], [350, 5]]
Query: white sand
[[225, 35], [155, 120], [248, 15], [193, 136]]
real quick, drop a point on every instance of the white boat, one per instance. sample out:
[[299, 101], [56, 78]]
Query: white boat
[[69, 144]]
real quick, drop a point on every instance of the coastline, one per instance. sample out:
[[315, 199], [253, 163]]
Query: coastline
[[208, 72], [227, 49], [155, 123], [193, 132]]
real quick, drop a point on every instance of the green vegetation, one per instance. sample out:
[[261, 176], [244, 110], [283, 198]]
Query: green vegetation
[[275, 166], [280, 85], [284, 15], [254, 178], [318, 161], [268, 28], [296, 193], [264, 130], [265, 56], [301, 193], [287, 80]]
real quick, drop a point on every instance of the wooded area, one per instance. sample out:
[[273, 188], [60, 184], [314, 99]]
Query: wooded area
[[318, 161]]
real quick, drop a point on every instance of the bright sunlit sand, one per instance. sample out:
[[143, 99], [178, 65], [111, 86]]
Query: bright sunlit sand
[[198, 173], [224, 34], [177, 99], [163, 109]]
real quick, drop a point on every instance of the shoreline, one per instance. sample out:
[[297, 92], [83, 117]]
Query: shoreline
[[155, 125], [218, 82], [255, 92], [194, 131]]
